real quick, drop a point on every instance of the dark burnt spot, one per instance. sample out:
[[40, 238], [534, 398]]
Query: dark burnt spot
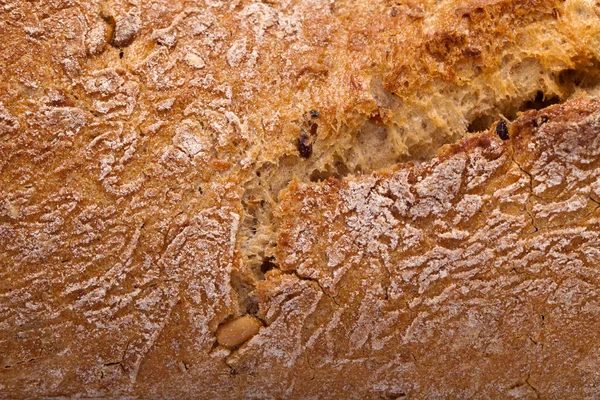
[[304, 144], [314, 113], [502, 130]]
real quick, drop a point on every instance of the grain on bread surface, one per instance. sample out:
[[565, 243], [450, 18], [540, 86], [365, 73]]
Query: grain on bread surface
[[152, 189]]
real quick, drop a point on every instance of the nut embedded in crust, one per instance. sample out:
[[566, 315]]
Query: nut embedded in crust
[[126, 30], [238, 331]]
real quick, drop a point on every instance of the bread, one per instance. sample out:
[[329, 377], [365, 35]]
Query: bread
[[299, 199]]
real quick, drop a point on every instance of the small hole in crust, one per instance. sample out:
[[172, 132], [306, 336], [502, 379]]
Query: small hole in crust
[[267, 265], [540, 101], [481, 123]]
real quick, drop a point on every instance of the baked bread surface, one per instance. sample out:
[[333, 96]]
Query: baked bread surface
[[299, 199]]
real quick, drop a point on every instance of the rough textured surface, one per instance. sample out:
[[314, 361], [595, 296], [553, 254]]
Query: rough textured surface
[[169, 166], [475, 274]]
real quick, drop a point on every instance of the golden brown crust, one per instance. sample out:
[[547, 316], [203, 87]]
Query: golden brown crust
[[143, 147], [474, 274]]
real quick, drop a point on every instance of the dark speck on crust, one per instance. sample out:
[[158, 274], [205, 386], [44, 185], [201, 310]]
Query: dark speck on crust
[[304, 145], [502, 130]]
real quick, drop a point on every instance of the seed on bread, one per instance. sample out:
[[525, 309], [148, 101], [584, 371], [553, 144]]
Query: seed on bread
[[502, 130], [304, 145], [238, 331]]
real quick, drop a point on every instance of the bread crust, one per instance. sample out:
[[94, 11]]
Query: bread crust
[[454, 278], [152, 189]]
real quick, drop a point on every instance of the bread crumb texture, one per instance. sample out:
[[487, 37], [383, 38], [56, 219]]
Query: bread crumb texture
[[300, 199]]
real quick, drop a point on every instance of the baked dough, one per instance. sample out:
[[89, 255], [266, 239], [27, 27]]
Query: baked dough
[[326, 179]]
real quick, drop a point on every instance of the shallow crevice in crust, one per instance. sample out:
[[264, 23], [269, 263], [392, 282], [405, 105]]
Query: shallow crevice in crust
[[263, 257], [483, 122], [522, 271], [376, 145], [561, 86]]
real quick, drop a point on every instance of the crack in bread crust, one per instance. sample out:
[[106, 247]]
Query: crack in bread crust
[[444, 256]]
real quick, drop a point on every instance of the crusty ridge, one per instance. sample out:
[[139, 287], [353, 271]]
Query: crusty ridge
[[475, 274], [143, 147]]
